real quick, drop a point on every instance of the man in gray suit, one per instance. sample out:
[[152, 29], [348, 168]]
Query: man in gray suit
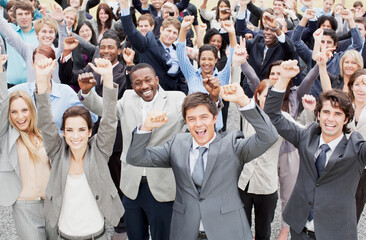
[[322, 204], [206, 164], [148, 192]]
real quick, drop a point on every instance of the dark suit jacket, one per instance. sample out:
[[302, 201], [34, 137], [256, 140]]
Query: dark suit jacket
[[90, 4], [333, 194], [152, 52], [68, 76]]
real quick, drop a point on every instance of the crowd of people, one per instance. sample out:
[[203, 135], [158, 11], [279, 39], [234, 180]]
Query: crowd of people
[[121, 118]]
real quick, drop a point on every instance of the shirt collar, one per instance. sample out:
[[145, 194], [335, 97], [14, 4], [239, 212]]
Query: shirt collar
[[143, 102], [333, 144], [215, 72], [207, 145], [18, 29]]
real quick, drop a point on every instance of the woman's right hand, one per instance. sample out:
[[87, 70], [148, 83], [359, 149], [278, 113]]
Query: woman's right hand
[[44, 69]]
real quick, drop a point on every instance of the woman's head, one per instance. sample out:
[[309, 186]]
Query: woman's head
[[274, 70], [356, 86], [22, 113], [86, 31], [77, 127], [104, 16], [223, 10], [214, 38], [43, 52], [350, 62], [74, 3], [260, 93], [207, 58], [9, 10], [70, 16]]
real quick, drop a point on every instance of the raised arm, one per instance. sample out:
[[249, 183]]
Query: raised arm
[[108, 125], [51, 138], [4, 97], [249, 148], [206, 14]]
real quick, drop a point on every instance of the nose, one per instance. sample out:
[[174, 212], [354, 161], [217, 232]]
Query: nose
[[144, 85]]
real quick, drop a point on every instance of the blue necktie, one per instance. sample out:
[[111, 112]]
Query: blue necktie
[[172, 62], [198, 170], [320, 165]]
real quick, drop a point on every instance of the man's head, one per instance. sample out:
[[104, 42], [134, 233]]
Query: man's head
[[169, 31], [270, 37], [278, 7], [146, 23], [144, 81], [361, 25], [329, 38], [333, 111], [327, 5], [23, 12], [200, 113], [327, 22], [110, 46], [169, 10], [157, 4], [46, 30]]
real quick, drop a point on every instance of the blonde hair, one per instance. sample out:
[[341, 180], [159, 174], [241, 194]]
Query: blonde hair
[[39, 23], [32, 149], [355, 55], [73, 11]]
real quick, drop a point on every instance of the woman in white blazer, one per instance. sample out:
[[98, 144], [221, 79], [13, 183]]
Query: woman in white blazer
[[24, 165]]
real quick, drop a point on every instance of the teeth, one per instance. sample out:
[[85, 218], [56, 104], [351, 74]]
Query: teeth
[[147, 93]]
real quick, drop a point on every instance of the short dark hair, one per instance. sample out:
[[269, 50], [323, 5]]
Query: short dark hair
[[24, 5], [141, 66], [93, 39], [331, 20], [331, 33], [338, 99], [357, 4], [352, 79], [211, 32], [148, 17], [112, 34], [207, 47], [196, 99], [361, 20], [77, 111]]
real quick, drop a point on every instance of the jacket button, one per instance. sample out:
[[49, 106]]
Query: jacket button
[[317, 184], [201, 199], [97, 197]]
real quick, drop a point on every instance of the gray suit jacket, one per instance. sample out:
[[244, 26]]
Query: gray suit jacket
[[129, 112], [333, 194], [10, 185], [96, 158], [218, 205]]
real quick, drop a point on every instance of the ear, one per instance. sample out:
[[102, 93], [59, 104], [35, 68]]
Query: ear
[[346, 121], [90, 132], [119, 51], [215, 119], [161, 29], [157, 80]]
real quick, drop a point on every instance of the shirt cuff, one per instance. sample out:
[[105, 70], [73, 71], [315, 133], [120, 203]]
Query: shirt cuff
[[277, 90], [66, 58], [125, 12], [139, 131], [249, 106], [281, 38]]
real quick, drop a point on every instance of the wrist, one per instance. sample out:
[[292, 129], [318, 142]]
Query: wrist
[[85, 91], [242, 102], [275, 28], [145, 129]]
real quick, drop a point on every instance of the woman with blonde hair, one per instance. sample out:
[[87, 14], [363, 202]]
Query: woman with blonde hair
[[24, 165], [71, 19]]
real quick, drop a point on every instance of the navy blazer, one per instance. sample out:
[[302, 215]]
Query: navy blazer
[[152, 52]]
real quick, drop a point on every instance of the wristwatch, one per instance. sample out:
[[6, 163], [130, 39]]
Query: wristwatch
[[275, 29]]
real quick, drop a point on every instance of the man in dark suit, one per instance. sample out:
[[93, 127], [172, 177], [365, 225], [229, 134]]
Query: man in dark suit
[[159, 52], [322, 204], [109, 48], [206, 165]]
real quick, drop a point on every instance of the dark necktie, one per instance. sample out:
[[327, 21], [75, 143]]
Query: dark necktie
[[198, 170], [168, 57], [320, 165]]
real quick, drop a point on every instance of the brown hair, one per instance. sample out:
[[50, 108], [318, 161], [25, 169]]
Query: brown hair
[[39, 23], [46, 51], [147, 17], [264, 84], [196, 99], [77, 111], [352, 79], [171, 21], [24, 5], [31, 148], [108, 11], [338, 99]]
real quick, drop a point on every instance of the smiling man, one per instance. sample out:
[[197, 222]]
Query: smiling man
[[160, 52], [322, 204], [206, 164], [148, 192]]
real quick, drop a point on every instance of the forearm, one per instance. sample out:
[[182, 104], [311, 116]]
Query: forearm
[[308, 82], [324, 78], [252, 77], [93, 102]]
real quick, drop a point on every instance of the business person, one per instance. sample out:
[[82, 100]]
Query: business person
[[206, 165], [322, 204]]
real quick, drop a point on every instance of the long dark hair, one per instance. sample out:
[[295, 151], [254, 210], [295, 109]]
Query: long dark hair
[[218, 10], [93, 39], [108, 11]]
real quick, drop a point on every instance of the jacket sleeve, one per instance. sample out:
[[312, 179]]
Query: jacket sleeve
[[138, 41], [252, 77], [182, 5], [4, 104], [302, 50]]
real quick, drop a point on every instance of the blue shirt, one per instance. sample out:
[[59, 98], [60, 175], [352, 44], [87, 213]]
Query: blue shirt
[[62, 97], [318, 11], [194, 77]]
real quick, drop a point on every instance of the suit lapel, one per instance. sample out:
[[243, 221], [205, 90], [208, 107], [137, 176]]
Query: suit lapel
[[13, 136], [65, 169], [337, 153], [186, 148], [212, 155], [312, 149]]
